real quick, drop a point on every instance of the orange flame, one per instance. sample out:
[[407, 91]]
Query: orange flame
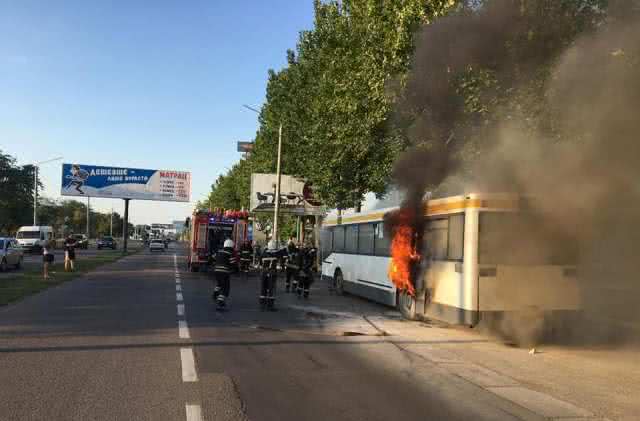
[[402, 257]]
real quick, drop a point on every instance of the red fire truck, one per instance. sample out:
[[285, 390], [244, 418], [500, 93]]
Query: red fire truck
[[209, 230]]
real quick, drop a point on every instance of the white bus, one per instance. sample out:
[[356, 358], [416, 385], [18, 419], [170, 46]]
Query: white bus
[[484, 255]]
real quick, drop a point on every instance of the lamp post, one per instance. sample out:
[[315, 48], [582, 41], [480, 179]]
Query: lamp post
[[276, 208], [35, 186]]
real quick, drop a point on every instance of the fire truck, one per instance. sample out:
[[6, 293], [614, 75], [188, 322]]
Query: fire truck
[[209, 230]]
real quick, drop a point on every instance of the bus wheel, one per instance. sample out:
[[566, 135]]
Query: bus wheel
[[338, 281], [407, 305]]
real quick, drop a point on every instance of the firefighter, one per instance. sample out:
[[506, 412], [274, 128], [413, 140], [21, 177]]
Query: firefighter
[[269, 263], [246, 255], [292, 267], [306, 262], [225, 264]]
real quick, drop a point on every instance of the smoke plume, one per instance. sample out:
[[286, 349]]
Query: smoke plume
[[555, 121]]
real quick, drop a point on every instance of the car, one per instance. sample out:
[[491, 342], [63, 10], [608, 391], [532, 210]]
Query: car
[[82, 242], [10, 254], [156, 245], [106, 242]]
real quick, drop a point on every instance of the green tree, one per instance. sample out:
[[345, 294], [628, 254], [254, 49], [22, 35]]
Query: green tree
[[16, 194]]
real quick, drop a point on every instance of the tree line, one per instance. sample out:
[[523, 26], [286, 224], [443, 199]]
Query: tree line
[[65, 216]]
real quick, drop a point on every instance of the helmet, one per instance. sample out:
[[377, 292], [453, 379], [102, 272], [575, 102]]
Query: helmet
[[228, 243], [271, 245]]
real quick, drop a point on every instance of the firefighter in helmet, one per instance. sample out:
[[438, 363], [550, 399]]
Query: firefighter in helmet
[[292, 267], [269, 264], [225, 264], [306, 262]]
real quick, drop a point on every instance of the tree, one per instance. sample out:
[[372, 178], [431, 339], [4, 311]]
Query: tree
[[16, 194]]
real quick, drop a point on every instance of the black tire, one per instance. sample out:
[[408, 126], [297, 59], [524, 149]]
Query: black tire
[[338, 281], [407, 305], [3, 265], [19, 264]]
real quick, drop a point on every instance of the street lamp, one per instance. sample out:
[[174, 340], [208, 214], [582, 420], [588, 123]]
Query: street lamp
[[35, 187], [276, 209]]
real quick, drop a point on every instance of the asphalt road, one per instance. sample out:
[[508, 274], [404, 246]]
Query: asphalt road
[[141, 340]]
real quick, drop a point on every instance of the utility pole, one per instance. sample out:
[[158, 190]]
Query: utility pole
[[111, 229], [125, 226], [276, 209]]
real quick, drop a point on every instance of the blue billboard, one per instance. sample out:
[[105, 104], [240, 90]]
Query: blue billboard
[[125, 183]]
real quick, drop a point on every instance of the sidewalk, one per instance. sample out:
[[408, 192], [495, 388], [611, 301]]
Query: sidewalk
[[556, 382]]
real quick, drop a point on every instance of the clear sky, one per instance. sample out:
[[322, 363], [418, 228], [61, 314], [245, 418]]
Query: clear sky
[[146, 84]]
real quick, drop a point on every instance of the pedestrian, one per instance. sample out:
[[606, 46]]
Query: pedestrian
[[291, 266], [47, 258], [225, 263], [69, 253]]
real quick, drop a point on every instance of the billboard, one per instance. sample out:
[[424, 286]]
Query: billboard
[[296, 195], [125, 183]]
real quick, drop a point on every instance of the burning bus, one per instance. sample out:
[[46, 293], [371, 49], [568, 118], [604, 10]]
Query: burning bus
[[209, 230], [473, 257]]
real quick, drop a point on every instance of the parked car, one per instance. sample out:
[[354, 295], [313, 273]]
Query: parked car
[[82, 242], [107, 243], [10, 254], [33, 238], [156, 244]]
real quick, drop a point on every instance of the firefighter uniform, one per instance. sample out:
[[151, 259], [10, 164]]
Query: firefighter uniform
[[269, 263], [292, 267], [246, 255], [306, 261], [225, 264]]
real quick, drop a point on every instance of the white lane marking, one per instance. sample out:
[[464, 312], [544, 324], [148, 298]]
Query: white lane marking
[[178, 287], [194, 413], [189, 373], [180, 309], [179, 296], [183, 329]]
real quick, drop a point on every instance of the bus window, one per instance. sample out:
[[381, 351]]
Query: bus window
[[436, 238], [456, 237], [351, 239], [381, 243], [365, 239], [326, 240], [338, 239]]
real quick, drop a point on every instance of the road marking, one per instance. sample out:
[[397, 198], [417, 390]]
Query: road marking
[[180, 309], [194, 413], [179, 297], [183, 329], [188, 365], [178, 287]]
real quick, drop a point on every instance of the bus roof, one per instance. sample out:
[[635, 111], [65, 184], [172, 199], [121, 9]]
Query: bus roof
[[443, 206]]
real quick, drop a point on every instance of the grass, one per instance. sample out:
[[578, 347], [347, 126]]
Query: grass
[[29, 281]]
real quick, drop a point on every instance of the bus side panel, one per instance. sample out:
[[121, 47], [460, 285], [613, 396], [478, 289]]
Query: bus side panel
[[366, 276]]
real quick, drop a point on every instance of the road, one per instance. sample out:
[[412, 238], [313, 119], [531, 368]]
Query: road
[[140, 340]]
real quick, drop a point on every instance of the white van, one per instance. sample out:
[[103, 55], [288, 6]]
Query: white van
[[33, 238]]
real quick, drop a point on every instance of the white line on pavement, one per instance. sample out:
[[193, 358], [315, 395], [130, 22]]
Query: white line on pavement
[[179, 297], [178, 287], [194, 413], [188, 365], [183, 329], [180, 309]]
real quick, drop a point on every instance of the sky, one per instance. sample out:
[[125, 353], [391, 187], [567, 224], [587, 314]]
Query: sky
[[154, 84]]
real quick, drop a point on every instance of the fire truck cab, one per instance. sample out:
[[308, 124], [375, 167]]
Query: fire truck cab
[[209, 230]]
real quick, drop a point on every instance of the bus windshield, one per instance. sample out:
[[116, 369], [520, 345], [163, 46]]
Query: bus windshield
[[28, 234], [518, 238]]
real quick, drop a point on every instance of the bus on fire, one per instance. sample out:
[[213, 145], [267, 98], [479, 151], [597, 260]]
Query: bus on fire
[[483, 256]]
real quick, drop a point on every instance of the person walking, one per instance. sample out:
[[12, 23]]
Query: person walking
[[225, 263], [47, 258], [69, 254], [292, 267], [269, 263], [306, 259]]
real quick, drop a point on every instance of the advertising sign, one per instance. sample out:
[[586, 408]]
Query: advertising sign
[[125, 183], [296, 195]]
